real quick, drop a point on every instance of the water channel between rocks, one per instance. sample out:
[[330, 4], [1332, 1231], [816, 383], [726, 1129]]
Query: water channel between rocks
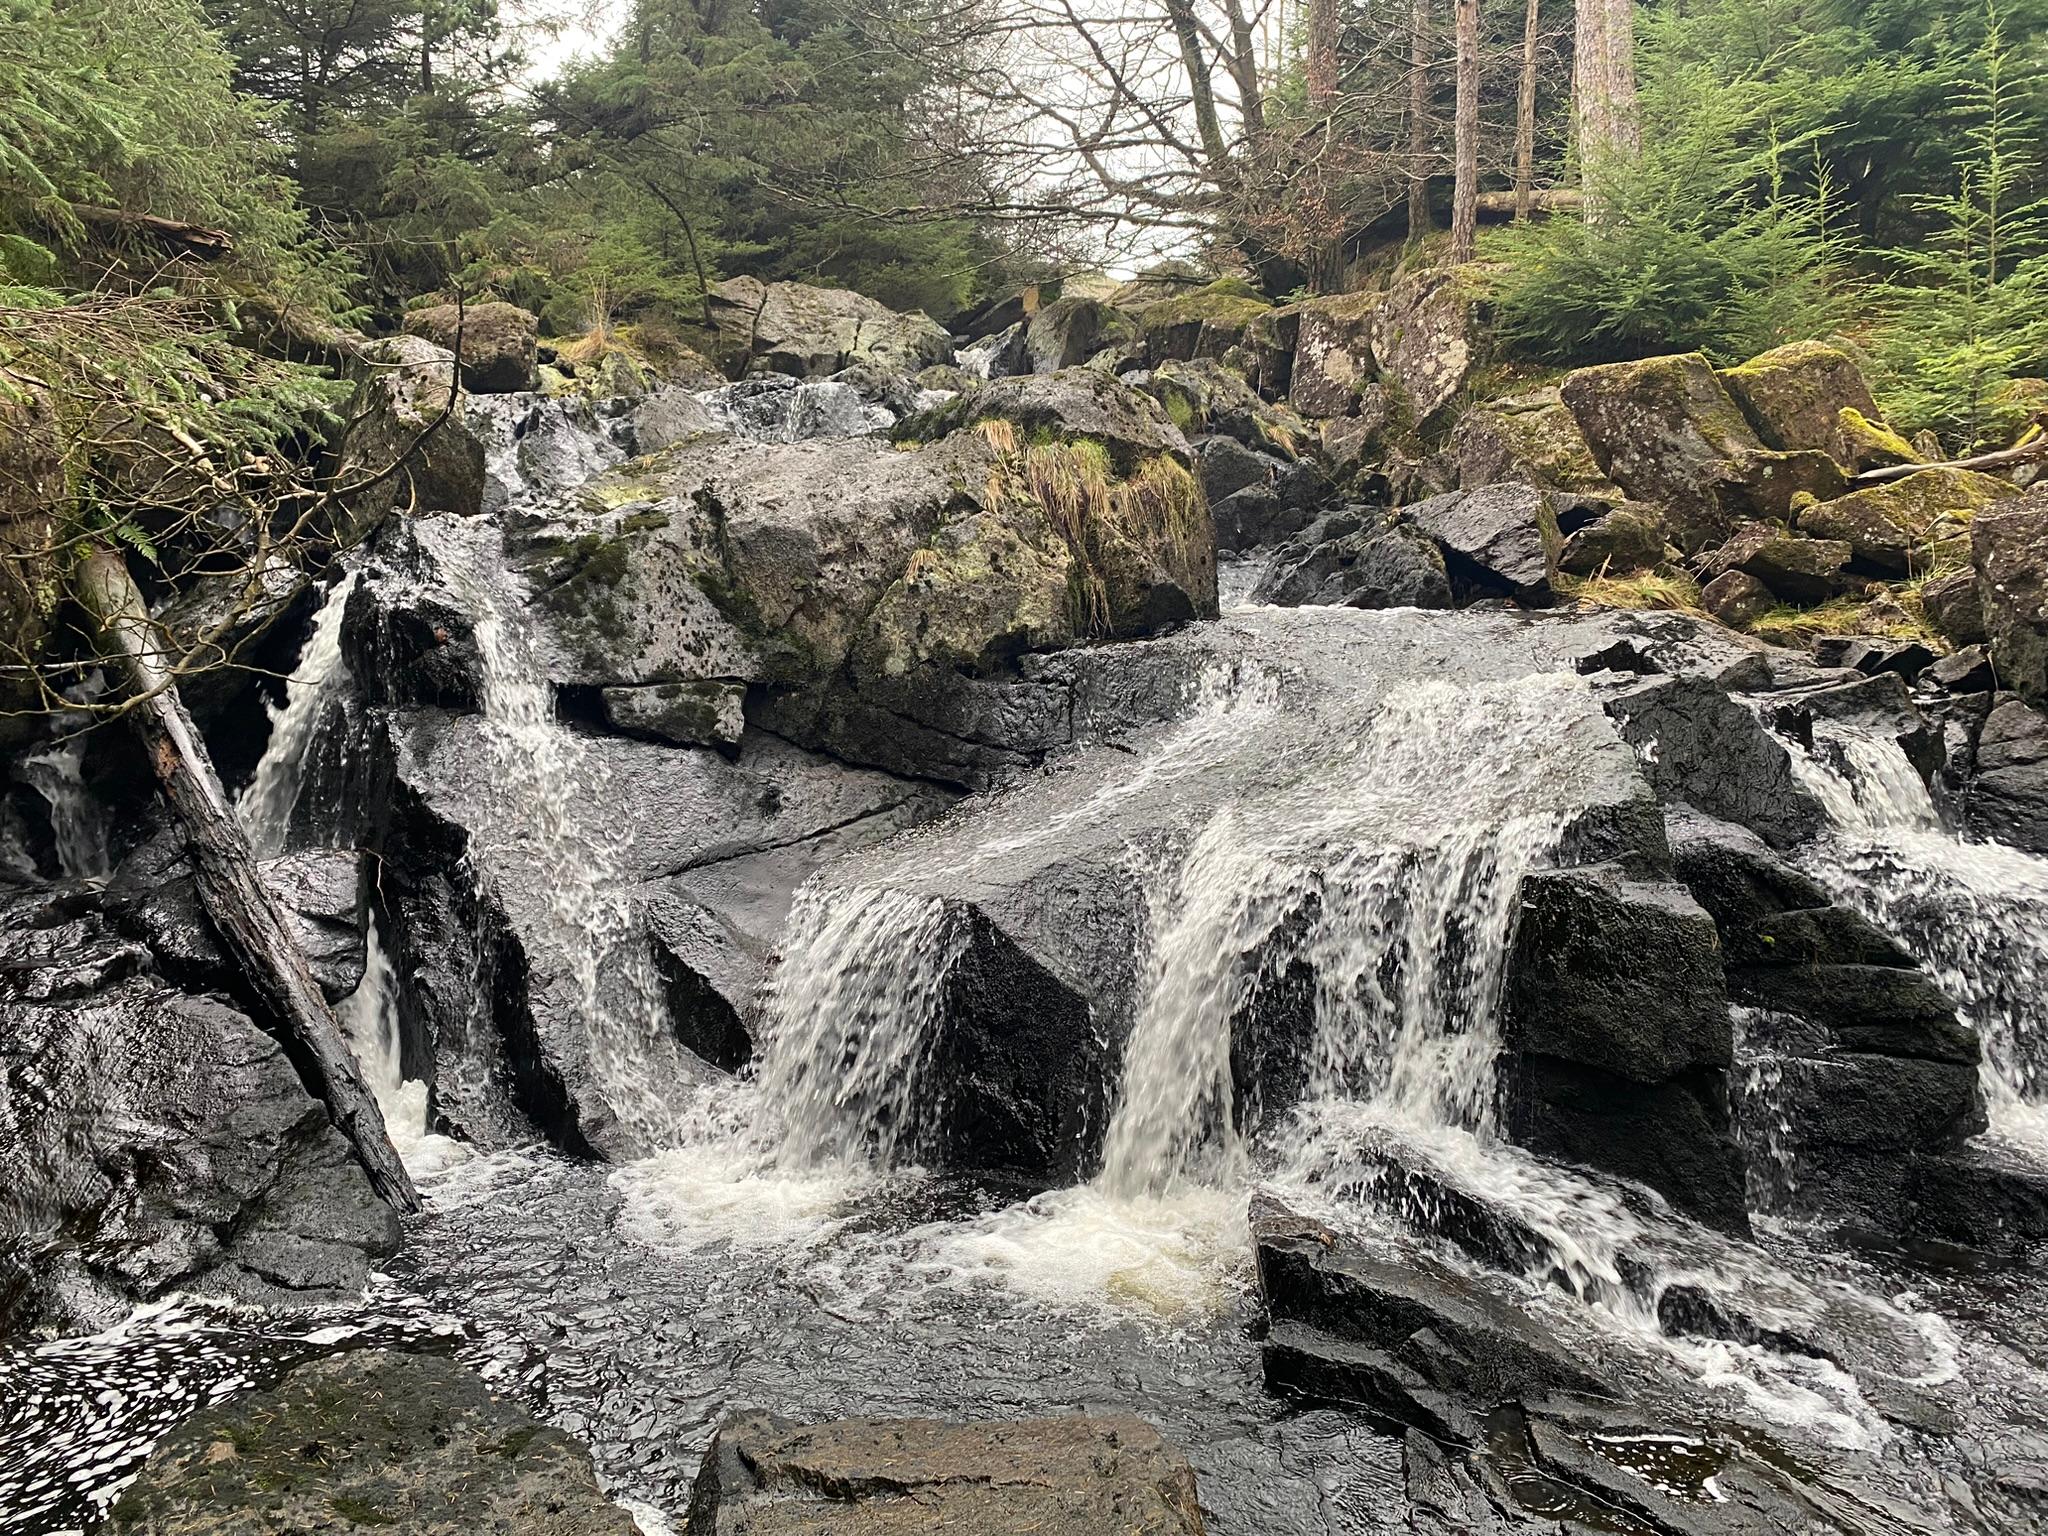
[[779, 1243]]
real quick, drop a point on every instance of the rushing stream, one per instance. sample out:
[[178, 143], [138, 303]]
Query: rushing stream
[[778, 1244]]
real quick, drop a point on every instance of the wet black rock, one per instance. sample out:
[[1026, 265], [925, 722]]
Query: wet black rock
[[2009, 549], [2006, 785], [1616, 1034], [1404, 1338], [1080, 1476], [1497, 540], [153, 1140], [153, 898], [1867, 1054], [1357, 559], [1705, 748], [1967, 670], [1873, 654], [410, 1444]]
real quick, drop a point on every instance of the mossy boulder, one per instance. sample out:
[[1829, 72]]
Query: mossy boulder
[[1205, 323], [403, 1445], [32, 493], [1795, 396], [1737, 599], [1954, 608], [1666, 431], [1626, 538], [698, 714], [2009, 550], [404, 386], [1532, 437], [812, 332], [1906, 525], [1425, 339], [498, 343], [979, 594], [1333, 359], [1203, 396], [1797, 570], [1070, 330]]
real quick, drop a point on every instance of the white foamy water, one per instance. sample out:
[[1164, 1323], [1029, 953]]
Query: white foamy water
[[534, 839], [266, 804], [1974, 913], [369, 1017], [77, 821]]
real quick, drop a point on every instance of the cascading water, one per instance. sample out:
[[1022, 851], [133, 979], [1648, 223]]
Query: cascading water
[[369, 1017], [1974, 913], [266, 805], [567, 874], [77, 821]]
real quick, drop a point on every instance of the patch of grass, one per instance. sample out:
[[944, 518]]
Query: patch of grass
[[1900, 618], [1641, 591]]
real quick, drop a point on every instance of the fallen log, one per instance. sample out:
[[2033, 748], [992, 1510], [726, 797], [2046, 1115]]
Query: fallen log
[[200, 240], [2035, 447], [242, 908], [1501, 205]]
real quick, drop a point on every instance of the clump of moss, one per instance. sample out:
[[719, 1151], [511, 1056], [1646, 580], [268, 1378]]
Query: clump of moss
[[1896, 614], [1106, 518]]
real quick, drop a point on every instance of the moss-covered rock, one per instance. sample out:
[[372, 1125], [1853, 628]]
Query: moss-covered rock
[[1205, 323], [1794, 397], [1072, 329], [2009, 549], [1333, 358], [404, 1445], [1532, 437], [1626, 539], [1868, 444], [1797, 570], [1425, 339], [813, 332], [1203, 396], [1665, 431], [31, 501], [978, 595], [498, 343], [403, 388]]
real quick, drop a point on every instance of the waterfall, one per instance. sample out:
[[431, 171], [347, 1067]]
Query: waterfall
[[849, 1015], [266, 805], [78, 823], [549, 862], [369, 1017], [1389, 870], [1975, 914], [778, 409]]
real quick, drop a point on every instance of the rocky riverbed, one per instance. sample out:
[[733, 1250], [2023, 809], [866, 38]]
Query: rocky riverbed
[[890, 910]]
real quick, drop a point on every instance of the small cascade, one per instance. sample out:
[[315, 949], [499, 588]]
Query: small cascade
[[779, 409], [1389, 872], [567, 872], [77, 821], [369, 1017], [849, 1017], [265, 806], [1974, 913]]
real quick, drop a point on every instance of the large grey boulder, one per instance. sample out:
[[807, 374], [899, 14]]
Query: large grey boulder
[[152, 1140], [410, 1444], [1069, 331], [498, 343], [1080, 1476], [2005, 795], [1333, 361], [813, 332], [1796, 396], [1425, 340], [1532, 437], [408, 440], [1498, 539], [1357, 559], [2009, 549]]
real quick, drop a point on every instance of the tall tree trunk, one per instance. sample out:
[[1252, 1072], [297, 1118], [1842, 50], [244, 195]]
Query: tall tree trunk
[[1465, 193], [1418, 119], [1321, 66], [1187, 32], [1525, 116], [1604, 90], [243, 910]]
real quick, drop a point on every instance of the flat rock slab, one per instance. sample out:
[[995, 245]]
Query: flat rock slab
[[1110, 1476], [406, 1445]]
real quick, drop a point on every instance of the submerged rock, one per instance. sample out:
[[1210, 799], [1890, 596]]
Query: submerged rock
[[410, 1444], [1092, 1476]]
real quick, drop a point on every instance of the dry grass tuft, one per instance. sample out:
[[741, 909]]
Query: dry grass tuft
[[1643, 591]]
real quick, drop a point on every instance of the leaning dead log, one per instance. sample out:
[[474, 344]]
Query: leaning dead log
[[241, 905], [200, 240]]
